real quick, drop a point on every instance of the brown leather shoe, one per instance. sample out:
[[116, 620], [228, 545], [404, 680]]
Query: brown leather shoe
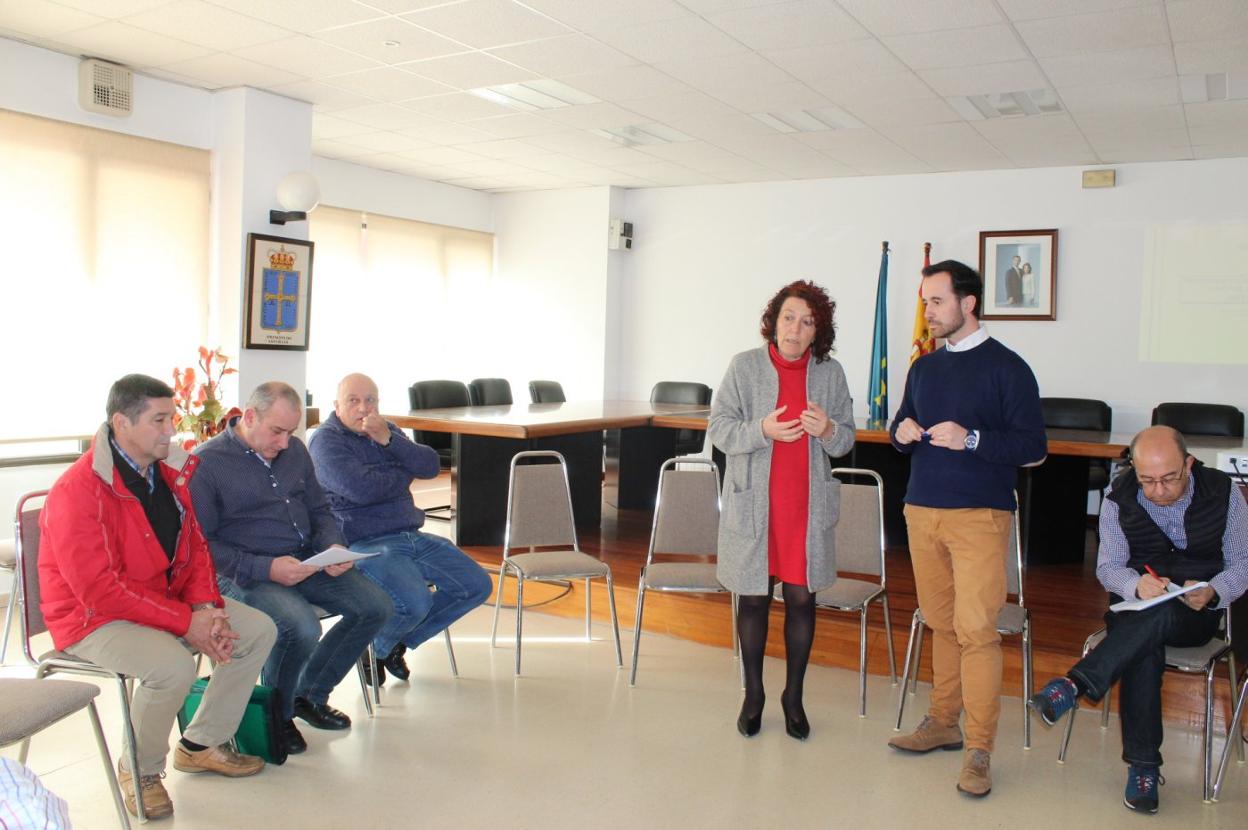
[[929, 735], [975, 779], [156, 801], [219, 759]]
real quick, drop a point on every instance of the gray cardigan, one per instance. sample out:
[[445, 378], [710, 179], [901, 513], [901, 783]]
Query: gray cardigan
[[748, 394]]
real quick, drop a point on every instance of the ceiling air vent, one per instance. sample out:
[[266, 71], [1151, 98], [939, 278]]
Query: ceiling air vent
[[105, 88]]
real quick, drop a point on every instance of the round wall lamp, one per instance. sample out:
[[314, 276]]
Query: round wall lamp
[[298, 193]]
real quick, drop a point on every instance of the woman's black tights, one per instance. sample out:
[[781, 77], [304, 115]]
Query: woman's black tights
[[799, 633]]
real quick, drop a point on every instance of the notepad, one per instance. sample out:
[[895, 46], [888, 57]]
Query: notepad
[[1172, 591], [335, 556]]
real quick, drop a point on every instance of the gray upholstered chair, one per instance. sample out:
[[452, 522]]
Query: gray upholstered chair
[[30, 706], [374, 679], [539, 514], [860, 550], [1014, 619], [546, 391], [1197, 660], [489, 392], [686, 524]]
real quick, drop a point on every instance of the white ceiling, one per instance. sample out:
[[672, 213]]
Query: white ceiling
[[388, 79]]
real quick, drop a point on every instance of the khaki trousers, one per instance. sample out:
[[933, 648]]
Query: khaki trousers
[[959, 573], [165, 669]]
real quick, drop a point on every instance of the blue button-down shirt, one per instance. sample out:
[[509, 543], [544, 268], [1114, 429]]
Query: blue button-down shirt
[[253, 511], [1111, 561]]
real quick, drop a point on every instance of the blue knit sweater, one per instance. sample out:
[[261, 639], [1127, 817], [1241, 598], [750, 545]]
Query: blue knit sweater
[[367, 484], [987, 388]]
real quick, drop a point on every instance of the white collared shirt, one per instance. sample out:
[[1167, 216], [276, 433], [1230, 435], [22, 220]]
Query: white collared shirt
[[970, 341]]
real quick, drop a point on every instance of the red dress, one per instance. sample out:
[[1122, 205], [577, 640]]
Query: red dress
[[789, 485]]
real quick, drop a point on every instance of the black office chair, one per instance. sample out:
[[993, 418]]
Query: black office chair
[[546, 391], [1200, 418], [490, 392], [1082, 413], [436, 394], [688, 441]]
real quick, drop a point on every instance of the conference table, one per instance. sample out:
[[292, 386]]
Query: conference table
[[485, 438]]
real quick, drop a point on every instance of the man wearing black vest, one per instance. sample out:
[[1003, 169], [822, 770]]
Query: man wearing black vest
[[1168, 520]]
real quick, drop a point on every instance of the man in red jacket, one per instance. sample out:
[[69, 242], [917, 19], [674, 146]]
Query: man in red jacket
[[127, 582]]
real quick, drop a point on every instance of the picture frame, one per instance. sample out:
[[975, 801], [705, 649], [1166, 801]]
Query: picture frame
[[1020, 274], [279, 293]]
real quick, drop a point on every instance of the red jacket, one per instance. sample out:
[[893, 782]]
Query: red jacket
[[99, 560]]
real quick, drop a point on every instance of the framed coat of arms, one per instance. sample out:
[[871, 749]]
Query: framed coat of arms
[[279, 293]]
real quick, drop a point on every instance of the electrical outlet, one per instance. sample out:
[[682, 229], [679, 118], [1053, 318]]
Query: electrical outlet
[[1235, 462]]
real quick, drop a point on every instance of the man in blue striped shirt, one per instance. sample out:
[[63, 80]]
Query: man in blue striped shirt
[[1168, 520]]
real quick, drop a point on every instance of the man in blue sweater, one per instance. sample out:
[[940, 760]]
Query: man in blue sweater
[[366, 466], [970, 417]]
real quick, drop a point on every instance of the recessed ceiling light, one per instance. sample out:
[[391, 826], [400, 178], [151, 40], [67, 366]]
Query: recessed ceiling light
[[1006, 104], [809, 121], [640, 134], [542, 94], [1216, 86], [391, 43]]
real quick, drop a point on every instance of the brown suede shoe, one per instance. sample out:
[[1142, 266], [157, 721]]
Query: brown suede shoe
[[975, 779], [156, 801], [928, 736], [220, 759]]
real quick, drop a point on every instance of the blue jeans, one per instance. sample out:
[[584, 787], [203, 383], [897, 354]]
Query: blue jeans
[[1134, 652], [409, 563], [302, 662]]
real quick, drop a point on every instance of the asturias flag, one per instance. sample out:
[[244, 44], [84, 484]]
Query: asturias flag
[[923, 342], [877, 395]]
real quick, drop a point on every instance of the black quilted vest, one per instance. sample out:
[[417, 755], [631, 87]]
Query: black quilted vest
[[1204, 522]]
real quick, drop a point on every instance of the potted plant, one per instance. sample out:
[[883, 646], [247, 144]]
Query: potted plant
[[200, 414]]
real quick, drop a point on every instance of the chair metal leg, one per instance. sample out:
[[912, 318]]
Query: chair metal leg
[[498, 604], [1027, 681], [589, 637], [905, 676], [615, 622], [519, 616], [888, 638], [376, 674], [1232, 736], [918, 657], [1070, 729], [118, 802], [132, 747], [450, 651], [1207, 736], [862, 661], [1232, 673], [641, 605], [359, 672]]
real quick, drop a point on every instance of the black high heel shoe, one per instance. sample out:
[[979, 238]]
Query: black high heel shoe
[[795, 723], [749, 725]]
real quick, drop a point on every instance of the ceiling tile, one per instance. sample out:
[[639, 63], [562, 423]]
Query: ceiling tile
[[301, 15], [595, 116], [1036, 9], [552, 162], [905, 17], [667, 173], [324, 98], [306, 56], [387, 142], [626, 83], [485, 23], [607, 15], [1096, 32], [790, 25], [1012, 76], [448, 133], [1157, 92], [721, 129], [572, 142], [470, 70], [223, 70], [1110, 67], [1116, 143], [42, 18], [126, 44], [683, 39], [403, 6], [681, 105], [1142, 122], [1220, 150], [725, 72], [883, 89], [490, 167], [327, 126], [1210, 56], [388, 84], [714, 6], [520, 125], [441, 155], [897, 113], [696, 155], [506, 148], [1230, 115], [457, 106], [785, 97], [207, 25], [948, 146], [112, 8], [862, 149], [385, 117], [567, 55], [372, 40], [856, 58], [1195, 20], [958, 47], [330, 148]]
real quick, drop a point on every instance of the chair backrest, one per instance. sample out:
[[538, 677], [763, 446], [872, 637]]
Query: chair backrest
[[686, 511], [539, 503], [678, 391], [26, 533], [436, 394], [1200, 418], [546, 391], [489, 392], [1015, 571], [1077, 413], [860, 529]]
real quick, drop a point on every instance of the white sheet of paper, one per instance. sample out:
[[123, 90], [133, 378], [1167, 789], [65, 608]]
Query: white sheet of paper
[[335, 556], [1172, 591]]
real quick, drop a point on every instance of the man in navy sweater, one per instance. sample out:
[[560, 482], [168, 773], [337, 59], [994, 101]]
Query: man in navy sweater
[[366, 466], [970, 417]]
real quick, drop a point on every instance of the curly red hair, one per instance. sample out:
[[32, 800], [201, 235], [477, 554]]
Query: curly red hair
[[822, 308]]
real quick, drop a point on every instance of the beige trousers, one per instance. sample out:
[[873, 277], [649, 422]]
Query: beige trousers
[[959, 573], [165, 669]]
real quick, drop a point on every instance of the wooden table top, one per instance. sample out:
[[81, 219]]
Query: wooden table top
[[537, 420]]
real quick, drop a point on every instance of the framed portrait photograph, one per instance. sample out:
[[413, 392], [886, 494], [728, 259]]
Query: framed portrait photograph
[[1020, 274], [279, 293]]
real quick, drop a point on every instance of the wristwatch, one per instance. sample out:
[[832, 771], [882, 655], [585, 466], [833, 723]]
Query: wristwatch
[[972, 439]]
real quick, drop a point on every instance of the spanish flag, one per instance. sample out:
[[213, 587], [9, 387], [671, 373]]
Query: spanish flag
[[923, 342]]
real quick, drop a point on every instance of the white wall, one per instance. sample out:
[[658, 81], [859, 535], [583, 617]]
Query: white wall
[[352, 186], [706, 259]]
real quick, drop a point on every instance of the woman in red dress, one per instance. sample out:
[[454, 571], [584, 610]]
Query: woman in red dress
[[781, 412]]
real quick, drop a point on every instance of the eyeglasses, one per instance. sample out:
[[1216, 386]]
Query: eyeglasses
[[1166, 481]]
